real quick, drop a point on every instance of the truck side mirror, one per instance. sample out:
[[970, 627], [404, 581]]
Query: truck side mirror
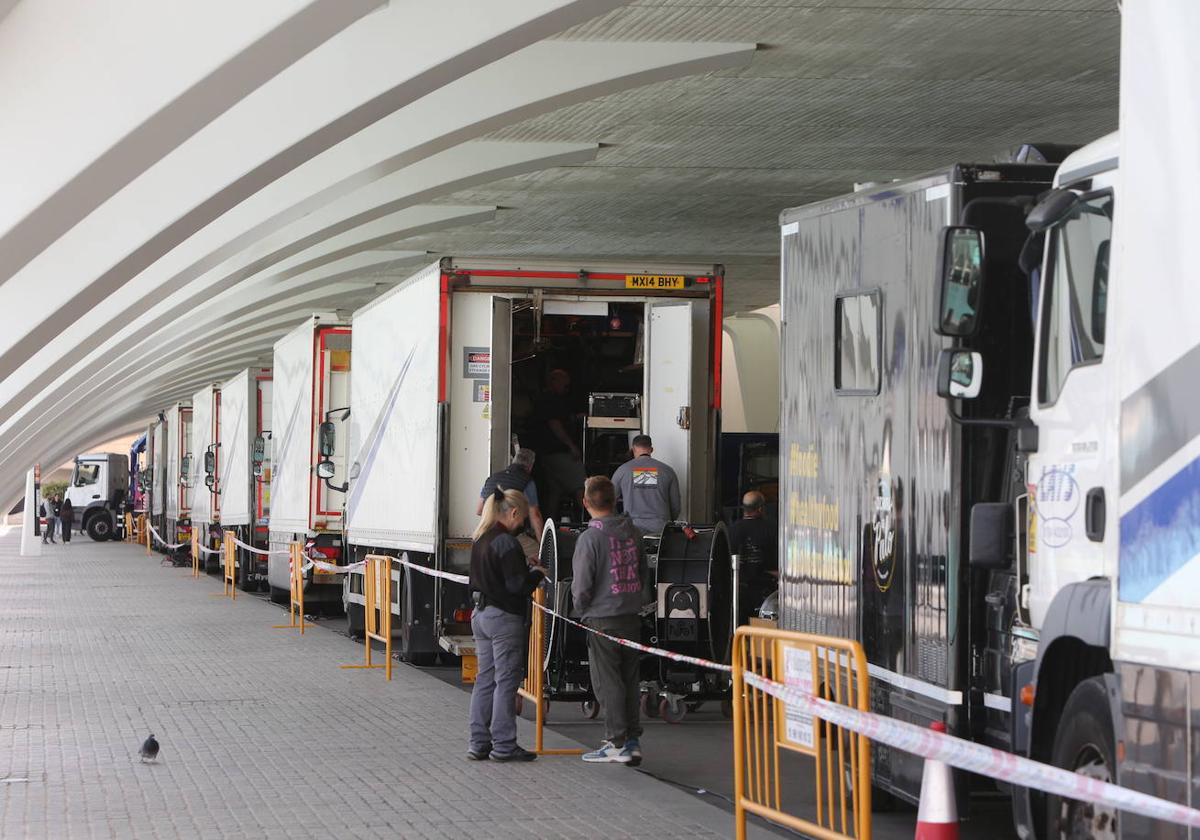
[[325, 469], [960, 374], [259, 454], [185, 470], [209, 481], [210, 465], [961, 281], [1054, 209], [326, 435]]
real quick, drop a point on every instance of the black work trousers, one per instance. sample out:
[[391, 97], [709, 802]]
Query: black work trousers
[[614, 670]]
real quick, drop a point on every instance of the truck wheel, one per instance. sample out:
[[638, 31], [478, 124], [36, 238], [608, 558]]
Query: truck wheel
[[1085, 744], [100, 528]]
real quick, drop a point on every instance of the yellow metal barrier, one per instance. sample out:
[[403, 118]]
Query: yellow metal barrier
[[833, 669], [377, 610], [128, 527], [229, 584], [296, 607], [195, 552], [533, 688]]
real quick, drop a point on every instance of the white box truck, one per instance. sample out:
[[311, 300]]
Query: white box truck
[[310, 387], [205, 470], [993, 449], [449, 368], [157, 466], [178, 465], [98, 490], [243, 454]]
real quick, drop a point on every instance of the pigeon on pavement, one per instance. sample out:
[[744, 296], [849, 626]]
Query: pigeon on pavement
[[149, 751]]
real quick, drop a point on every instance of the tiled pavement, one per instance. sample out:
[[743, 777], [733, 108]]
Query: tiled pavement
[[263, 736]]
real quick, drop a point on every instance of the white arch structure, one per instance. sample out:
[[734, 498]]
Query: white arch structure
[[188, 180]]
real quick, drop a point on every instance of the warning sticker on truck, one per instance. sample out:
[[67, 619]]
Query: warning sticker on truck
[[654, 281]]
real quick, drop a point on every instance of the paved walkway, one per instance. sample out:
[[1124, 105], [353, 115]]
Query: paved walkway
[[262, 735]]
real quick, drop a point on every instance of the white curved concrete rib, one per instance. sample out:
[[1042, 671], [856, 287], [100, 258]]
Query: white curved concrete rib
[[96, 118], [121, 321], [345, 85]]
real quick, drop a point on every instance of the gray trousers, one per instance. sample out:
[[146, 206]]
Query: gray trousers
[[614, 670], [500, 645]]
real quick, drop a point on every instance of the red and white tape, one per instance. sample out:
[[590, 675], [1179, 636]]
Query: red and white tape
[[259, 551], [165, 544], [927, 743], [977, 758]]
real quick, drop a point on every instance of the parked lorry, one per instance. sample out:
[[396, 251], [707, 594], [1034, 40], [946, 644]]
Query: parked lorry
[[98, 491], [992, 473], [205, 471], [243, 462], [178, 430], [449, 369], [309, 398], [156, 473]]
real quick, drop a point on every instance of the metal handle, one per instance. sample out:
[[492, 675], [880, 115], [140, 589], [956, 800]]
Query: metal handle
[[684, 418], [1094, 509]]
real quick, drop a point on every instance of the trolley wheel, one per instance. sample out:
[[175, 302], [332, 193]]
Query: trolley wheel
[[590, 708], [671, 712], [649, 707], [727, 708]]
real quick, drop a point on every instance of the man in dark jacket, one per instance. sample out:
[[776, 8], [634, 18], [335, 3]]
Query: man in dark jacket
[[516, 476], [609, 567]]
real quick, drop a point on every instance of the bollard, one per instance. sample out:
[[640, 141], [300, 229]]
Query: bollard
[[937, 815]]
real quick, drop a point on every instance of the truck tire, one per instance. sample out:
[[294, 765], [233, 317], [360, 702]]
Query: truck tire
[[280, 596], [100, 528], [1084, 743]]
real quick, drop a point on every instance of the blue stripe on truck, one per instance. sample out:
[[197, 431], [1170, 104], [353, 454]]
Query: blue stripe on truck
[[1160, 535]]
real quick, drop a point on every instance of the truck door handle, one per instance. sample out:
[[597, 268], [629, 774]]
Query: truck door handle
[[684, 418], [97, 496], [1094, 509]]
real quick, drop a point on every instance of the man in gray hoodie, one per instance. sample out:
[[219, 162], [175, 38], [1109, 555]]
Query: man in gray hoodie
[[609, 566]]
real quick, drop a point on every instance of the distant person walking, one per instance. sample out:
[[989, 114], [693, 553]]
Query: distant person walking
[[609, 567], [66, 515], [647, 488], [501, 583], [51, 520]]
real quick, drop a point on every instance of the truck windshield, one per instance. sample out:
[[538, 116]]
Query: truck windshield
[[1073, 313], [86, 474]]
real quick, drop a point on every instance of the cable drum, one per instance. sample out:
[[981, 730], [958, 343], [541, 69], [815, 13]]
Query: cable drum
[[565, 654], [694, 591]]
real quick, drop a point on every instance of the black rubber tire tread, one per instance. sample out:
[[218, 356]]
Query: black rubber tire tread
[[280, 596], [1086, 719]]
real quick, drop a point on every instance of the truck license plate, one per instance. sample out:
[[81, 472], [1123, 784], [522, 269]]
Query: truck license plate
[[654, 281]]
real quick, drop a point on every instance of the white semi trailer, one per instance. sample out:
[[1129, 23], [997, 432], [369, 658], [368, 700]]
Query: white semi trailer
[[311, 383], [178, 431], [205, 470], [243, 453], [449, 369]]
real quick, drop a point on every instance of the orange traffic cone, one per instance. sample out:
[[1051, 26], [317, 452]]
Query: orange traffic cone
[[937, 815]]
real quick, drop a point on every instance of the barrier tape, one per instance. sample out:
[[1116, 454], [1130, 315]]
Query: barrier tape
[[977, 758], [165, 544], [254, 550], [927, 743], [206, 550]]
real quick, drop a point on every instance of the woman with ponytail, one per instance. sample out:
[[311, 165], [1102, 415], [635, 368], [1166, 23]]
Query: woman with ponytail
[[501, 583]]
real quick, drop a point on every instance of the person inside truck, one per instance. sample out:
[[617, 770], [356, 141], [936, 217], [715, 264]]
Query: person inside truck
[[754, 539], [517, 476], [562, 461], [647, 488]]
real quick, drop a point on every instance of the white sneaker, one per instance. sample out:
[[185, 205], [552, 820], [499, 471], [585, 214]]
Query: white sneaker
[[607, 753]]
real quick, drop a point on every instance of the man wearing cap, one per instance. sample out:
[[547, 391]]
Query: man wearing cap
[[647, 488], [517, 476]]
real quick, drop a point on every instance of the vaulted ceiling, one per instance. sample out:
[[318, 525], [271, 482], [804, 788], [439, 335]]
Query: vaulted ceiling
[[184, 182]]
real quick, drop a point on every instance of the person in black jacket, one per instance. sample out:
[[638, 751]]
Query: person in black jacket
[[501, 583], [66, 515]]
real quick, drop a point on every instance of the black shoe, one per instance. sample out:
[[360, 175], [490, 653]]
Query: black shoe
[[518, 754], [478, 755]]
